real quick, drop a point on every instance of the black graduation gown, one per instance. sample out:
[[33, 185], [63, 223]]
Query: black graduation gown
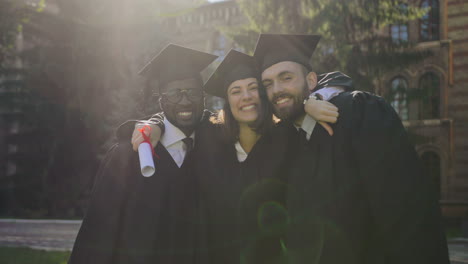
[[122, 225], [100, 228], [136, 219], [360, 196], [241, 203]]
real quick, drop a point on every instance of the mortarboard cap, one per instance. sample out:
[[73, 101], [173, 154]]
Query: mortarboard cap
[[175, 62], [332, 79], [275, 48], [235, 66]]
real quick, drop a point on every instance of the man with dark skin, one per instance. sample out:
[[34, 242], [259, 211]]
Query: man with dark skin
[[185, 113], [360, 196], [136, 219]]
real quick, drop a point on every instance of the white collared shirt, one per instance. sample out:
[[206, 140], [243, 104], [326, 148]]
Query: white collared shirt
[[308, 124], [241, 154], [172, 141]]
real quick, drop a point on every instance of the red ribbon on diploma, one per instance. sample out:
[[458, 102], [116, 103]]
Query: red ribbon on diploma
[[147, 139]]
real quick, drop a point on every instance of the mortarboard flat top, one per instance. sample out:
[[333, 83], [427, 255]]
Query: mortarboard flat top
[[235, 66], [275, 48], [175, 62]]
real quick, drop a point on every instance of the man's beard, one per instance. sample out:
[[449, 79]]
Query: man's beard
[[293, 112]]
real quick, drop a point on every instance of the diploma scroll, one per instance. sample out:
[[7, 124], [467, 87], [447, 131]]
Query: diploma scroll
[[146, 159], [146, 152]]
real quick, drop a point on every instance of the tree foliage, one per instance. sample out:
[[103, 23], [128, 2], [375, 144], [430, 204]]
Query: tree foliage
[[13, 14], [354, 33], [79, 82]]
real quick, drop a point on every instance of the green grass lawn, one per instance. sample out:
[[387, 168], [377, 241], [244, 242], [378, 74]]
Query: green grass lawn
[[453, 232], [31, 256]]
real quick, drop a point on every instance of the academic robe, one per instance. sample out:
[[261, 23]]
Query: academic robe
[[360, 196], [132, 219], [136, 219], [241, 203], [241, 214]]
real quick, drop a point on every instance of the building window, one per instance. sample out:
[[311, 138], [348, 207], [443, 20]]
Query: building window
[[429, 23], [14, 127], [429, 96], [202, 19], [398, 99], [11, 168], [226, 14], [431, 166], [12, 148], [399, 32], [219, 46]]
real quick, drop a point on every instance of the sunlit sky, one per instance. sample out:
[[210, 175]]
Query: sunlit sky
[[212, 1]]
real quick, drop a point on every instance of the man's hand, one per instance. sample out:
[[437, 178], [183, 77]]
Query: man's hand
[[323, 112], [137, 137]]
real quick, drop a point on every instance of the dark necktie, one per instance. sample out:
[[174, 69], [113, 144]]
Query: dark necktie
[[302, 136], [188, 144]]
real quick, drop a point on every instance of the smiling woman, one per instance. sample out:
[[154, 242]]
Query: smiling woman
[[239, 173], [244, 101], [236, 81]]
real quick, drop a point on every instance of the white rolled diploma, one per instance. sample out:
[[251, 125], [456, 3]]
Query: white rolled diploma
[[146, 159]]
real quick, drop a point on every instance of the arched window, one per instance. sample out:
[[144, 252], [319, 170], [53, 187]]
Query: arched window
[[399, 32], [429, 23], [429, 96], [398, 91], [431, 166]]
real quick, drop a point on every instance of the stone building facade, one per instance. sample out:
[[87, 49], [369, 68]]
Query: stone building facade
[[436, 119], [11, 90], [12, 93]]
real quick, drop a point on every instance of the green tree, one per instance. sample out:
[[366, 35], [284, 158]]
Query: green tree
[[11, 16], [353, 33], [80, 69]]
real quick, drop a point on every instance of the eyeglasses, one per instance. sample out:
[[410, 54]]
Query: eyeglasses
[[175, 96]]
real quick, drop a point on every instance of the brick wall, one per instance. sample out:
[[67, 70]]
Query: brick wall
[[457, 30]]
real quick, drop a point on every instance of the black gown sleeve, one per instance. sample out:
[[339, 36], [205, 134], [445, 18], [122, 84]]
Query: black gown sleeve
[[125, 130], [402, 199], [99, 231], [334, 79]]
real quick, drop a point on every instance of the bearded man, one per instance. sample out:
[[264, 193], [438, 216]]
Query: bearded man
[[360, 196]]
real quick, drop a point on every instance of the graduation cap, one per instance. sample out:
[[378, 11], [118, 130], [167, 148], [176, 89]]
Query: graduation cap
[[175, 62], [275, 48], [235, 66], [334, 79]]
